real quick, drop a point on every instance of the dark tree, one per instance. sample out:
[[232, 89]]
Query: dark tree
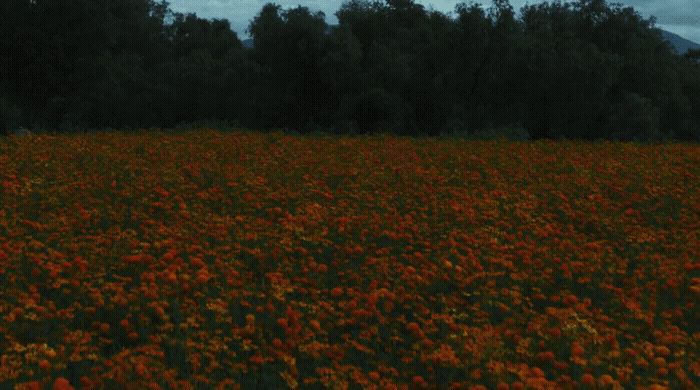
[[582, 70]]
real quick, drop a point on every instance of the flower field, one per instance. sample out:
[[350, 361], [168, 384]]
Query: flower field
[[207, 260]]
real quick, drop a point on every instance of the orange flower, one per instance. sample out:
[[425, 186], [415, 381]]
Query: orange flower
[[503, 386], [418, 380], [413, 327], [44, 365], [250, 319], [85, 382], [570, 300], [537, 372], [315, 325], [607, 380], [336, 292], [659, 361], [140, 369], [171, 278], [588, 380], [374, 375], [662, 350], [576, 349], [33, 386], [545, 356], [62, 384], [202, 276]]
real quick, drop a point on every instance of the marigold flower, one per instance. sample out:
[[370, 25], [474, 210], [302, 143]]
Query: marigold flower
[[315, 325], [606, 380], [202, 277], [545, 356], [588, 380], [44, 365], [412, 327], [537, 372], [140, 369], [62, 384], [336, 292], [576, 349], [85, 382], [33, 386], [250, 319], [517, 386]]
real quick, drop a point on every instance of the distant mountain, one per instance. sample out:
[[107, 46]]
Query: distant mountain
[[681, 44]]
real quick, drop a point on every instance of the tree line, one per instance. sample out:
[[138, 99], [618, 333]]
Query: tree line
[[583, 70]]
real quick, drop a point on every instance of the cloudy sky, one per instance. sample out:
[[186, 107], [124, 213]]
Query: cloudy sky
[[681, 17]]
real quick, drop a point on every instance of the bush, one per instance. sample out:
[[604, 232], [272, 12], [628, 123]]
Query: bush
[[512, 133], [9, 116], [213, 124], [454, 128]]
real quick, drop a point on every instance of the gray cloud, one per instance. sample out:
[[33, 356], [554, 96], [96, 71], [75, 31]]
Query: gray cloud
[[681, 17]]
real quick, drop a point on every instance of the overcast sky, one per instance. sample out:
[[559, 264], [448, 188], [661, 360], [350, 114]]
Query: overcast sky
[[680, 17]]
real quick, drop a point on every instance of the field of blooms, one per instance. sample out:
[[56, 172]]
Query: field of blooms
[[208, 260]]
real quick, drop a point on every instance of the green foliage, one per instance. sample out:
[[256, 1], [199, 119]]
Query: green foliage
[[513, 133], [213, 124], [9, 116]]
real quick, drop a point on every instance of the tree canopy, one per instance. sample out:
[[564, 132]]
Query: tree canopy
[[582, 70]]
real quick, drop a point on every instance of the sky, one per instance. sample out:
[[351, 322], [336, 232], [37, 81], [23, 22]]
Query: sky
[[681, 17]]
